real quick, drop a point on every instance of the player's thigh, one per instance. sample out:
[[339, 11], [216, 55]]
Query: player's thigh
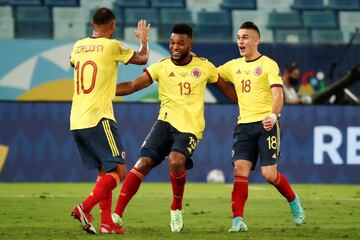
[[158, 142], [106, 142], [269, 146]]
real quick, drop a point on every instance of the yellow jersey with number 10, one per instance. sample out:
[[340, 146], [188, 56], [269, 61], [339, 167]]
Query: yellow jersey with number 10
[[95, 62], [182, 92], [253, 81]]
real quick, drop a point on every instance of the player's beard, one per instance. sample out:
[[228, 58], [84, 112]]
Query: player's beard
[[182, 55]]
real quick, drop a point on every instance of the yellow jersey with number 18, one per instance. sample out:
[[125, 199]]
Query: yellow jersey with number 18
[[95, 62], [253, 81], [182, 92]]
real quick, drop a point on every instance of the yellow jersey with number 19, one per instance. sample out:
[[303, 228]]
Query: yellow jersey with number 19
[[95, 62], [253, 81], [182, 92]]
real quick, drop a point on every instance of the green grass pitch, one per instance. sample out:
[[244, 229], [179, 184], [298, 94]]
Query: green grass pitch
[[42, 211]]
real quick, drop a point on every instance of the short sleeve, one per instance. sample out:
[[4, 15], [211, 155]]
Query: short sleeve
[[225, 72], [152, 70], [274, 76], [122, 53], [213, 73], [72, 60]]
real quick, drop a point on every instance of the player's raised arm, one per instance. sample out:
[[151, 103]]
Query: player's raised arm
[[227, 89], [142, 34], [139, 83]]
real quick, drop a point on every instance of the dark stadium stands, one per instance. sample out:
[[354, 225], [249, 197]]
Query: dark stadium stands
[[284, 20], [213, 26], [171, 16], [344, 5], [62, 3], [167, 3], [132, 3], [302, 5], [33, 22], [25, 2], [216, 20], [235, 4], [320, 20]]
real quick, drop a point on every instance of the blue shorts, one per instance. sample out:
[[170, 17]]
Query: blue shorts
[[251, 140], [100, 146], [163, 139]]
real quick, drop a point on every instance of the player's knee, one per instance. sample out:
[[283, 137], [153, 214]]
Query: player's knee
[[269, 176], [121, 171], [177, 160], [144, 165]]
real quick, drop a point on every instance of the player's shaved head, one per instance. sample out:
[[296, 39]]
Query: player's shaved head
[[251, 26], [103, 16]]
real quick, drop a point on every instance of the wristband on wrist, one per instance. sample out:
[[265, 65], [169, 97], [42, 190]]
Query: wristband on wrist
[[273, 117]]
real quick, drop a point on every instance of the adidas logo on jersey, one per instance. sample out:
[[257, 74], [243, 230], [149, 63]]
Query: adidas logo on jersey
[[172, 74]]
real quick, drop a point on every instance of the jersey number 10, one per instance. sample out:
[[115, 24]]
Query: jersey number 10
[[90, 65]]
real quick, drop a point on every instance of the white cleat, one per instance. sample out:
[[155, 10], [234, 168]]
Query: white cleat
[[176, 220]]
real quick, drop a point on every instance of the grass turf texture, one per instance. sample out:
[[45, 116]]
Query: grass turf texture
[[42, 211]]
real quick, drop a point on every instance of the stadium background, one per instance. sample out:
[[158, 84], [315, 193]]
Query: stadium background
[[36, 86]]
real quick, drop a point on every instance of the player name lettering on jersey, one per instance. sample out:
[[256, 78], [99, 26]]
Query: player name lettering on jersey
[[89, 48]]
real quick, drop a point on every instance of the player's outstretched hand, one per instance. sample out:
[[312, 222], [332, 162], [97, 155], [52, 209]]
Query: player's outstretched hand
[[142, 31]]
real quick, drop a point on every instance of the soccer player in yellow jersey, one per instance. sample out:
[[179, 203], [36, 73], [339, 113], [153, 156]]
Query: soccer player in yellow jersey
[[260, 97], [92, 123], [182, 80]]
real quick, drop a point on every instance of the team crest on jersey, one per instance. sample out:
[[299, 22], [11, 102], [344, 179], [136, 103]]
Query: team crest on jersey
[[123, 154], [196, 73], [258, 71]]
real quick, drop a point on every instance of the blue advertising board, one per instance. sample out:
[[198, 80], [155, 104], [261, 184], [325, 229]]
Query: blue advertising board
[[320, 144]]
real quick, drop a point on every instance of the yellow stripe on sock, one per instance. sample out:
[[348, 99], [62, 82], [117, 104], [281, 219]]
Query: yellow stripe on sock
[[115, 176]]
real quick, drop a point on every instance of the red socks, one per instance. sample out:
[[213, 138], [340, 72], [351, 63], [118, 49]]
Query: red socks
[[282, 185], [239, 195], [129, 188], [103, 187], [178, 186]]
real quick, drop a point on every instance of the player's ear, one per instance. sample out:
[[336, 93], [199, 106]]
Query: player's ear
[[113, 25], [190, 43], [92, 24]]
